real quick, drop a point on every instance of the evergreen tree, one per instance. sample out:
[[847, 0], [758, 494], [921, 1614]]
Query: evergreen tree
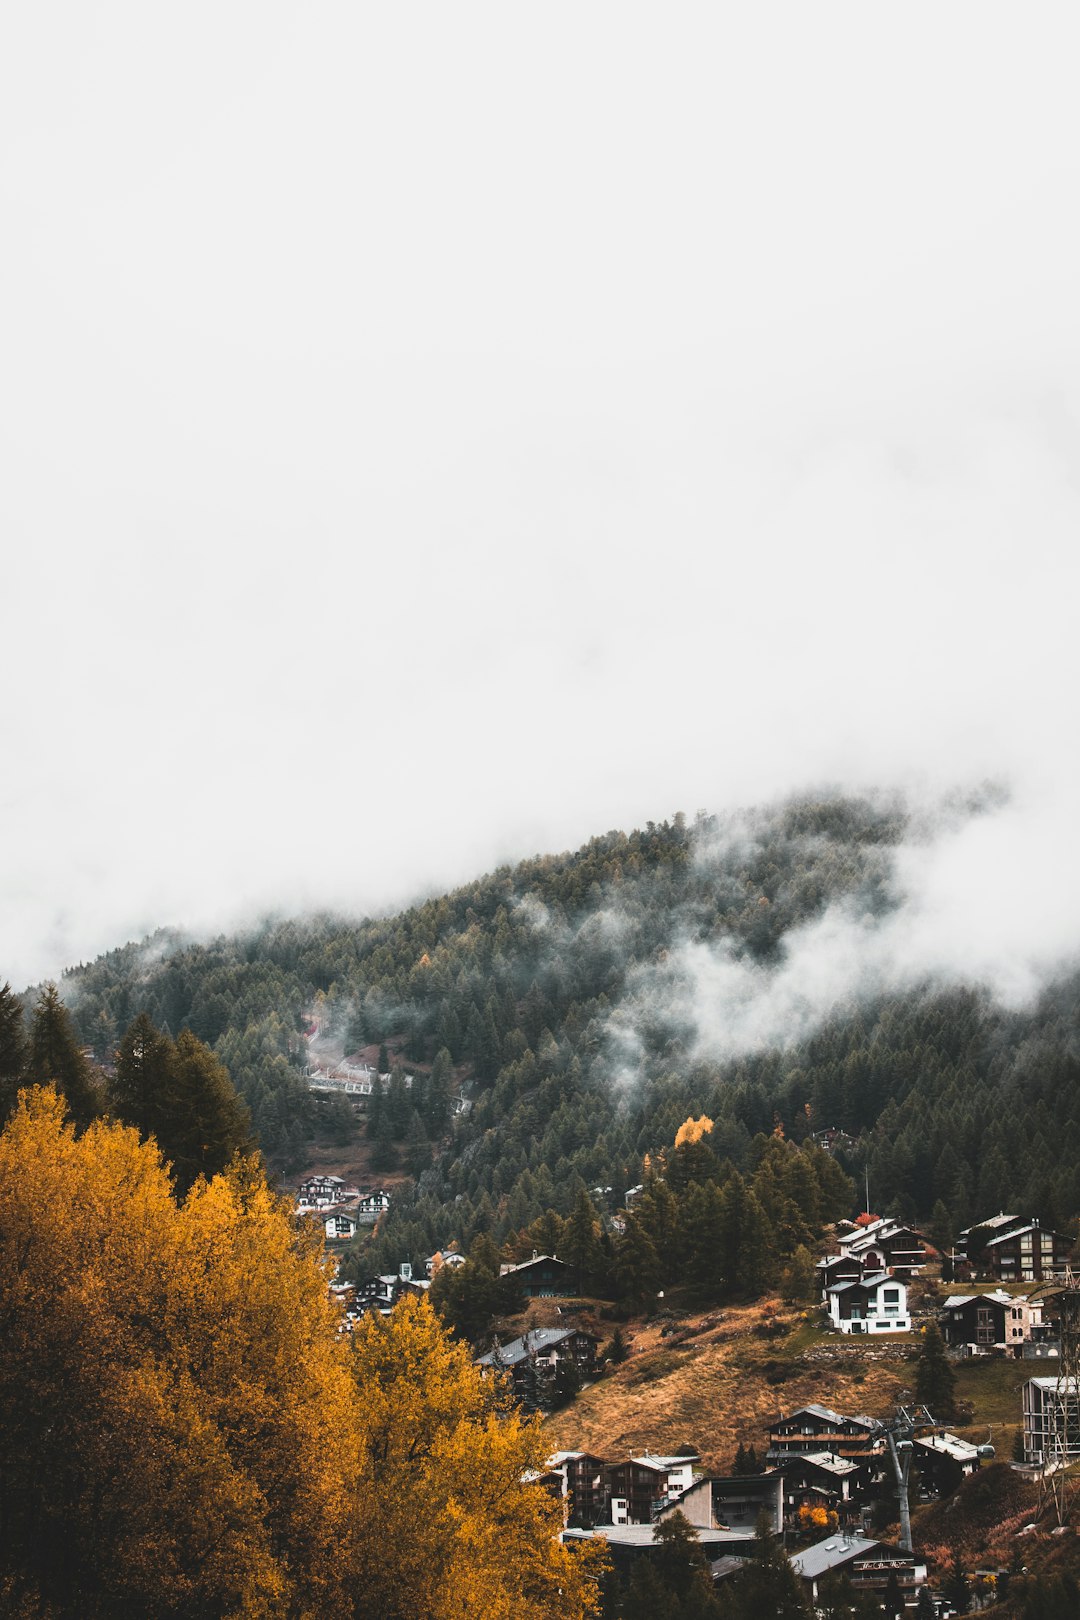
[[581, 1242], [56, 1058], [383, 1153], [935, 1380], [956, 1587], [768, 1585], [417, 1146], [180, 1094], [637, 1266], [210, 1125], [617, 1350], [13, 1050], [139, 1090], [398, 1103], [438, 1100]]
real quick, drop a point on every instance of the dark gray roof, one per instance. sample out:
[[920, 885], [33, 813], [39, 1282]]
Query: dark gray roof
[[869, 1279], [825, 1555], [535, 1341], [828, 1460]]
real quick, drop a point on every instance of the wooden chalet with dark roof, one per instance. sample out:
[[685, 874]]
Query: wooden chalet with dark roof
[[987, 1323], [821, 1479], [578, 1478], [640, 1487], [1012, 1249], [545, 1276], [534, 1358], [819, 1428], [885, 1244]]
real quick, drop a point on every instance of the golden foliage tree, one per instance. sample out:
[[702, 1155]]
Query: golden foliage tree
[[453, 1528], [178, 1415], [185, 1432]]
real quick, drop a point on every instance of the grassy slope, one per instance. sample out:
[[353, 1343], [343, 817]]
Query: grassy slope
[[726, 1374], [717, 1386], [725, 1381]]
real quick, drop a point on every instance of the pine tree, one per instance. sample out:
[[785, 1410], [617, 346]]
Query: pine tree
[[617, 1351], [56, 1058], [438, 1101], [581, 1243], [210, 1124], [935, 1381], [637, 1267], [769, 1585], [180, 1094], [13, 1050], [417, 1146]]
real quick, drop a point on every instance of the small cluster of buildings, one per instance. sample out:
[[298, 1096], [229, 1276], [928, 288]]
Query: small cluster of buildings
[[381, 1291], [356, 1083], [341, 1209], [864, 1284], [823, 1470]]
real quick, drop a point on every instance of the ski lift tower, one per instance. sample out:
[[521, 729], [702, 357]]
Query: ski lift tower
[[900, 1433]]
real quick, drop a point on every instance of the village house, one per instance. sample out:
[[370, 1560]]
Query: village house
[[370, 1205], [733, 1503], [983, 1323], [627, 1543], [885, 1244], [318, 1190], [837, 1268], [833, 1140], [866, 1563], [641, 1487], [532, 1361], [875, 1303], [820, 1480], [943, 1461], [1008, 1248], [381, 1293], [818, 1428], [443, 1257], [545, 1276], [339, 1225], [578, 1479]]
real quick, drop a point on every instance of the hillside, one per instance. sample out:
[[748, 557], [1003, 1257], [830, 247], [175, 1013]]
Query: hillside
[[721, 1377], [590, 1002]]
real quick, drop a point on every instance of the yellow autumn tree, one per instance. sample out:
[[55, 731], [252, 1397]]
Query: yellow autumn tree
[[453, 1523], [185, 1432], [178, 1416]]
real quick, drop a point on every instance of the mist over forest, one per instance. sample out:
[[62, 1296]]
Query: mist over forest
[[788, 968]]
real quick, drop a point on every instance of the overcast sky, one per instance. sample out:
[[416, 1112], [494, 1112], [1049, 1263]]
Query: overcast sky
[[434, 433]]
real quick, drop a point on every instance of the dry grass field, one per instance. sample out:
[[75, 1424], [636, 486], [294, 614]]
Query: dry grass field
[[721, 1377]]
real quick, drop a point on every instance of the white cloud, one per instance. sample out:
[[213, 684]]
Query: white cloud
[[432, 437]]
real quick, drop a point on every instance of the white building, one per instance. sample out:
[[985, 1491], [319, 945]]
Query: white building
[[874, 1303]]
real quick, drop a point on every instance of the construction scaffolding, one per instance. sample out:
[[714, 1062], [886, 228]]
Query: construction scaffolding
[[1061, 1408]]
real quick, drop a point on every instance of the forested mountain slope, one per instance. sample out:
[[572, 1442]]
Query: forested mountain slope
[[593, 1001]]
